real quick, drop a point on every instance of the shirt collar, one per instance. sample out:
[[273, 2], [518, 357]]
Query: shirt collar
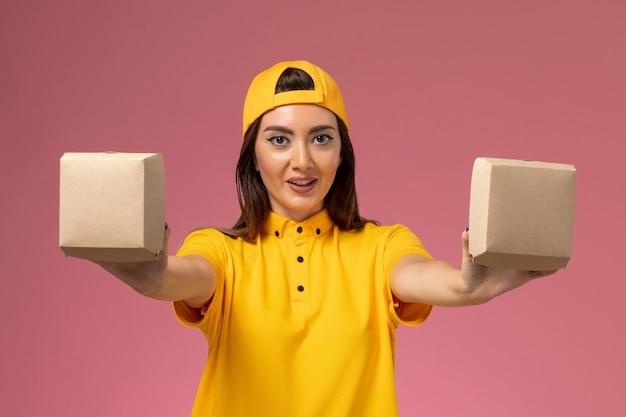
[[280, 226]]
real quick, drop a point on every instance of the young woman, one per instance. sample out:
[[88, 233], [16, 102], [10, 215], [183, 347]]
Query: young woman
[[300, 300]]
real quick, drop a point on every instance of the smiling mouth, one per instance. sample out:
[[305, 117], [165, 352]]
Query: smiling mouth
[[302, 182]]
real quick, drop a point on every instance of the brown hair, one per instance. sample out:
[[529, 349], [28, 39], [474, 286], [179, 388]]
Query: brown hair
[[341, 200]]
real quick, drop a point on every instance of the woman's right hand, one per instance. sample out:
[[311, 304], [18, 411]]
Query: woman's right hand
[[170, 278], [145, 277]]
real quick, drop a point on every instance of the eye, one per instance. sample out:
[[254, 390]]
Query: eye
[[322, 139], [278, 140]]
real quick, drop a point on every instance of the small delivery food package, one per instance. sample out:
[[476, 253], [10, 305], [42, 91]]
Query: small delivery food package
[[521, 213], [112, 206]]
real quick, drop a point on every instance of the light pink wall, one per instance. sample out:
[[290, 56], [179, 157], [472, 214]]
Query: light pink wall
[[429, 86]]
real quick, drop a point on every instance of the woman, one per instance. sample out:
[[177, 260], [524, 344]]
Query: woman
[[300, 300]]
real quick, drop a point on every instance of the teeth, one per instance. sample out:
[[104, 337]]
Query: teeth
[[302, 182]]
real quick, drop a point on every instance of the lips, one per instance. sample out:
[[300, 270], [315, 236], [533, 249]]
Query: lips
[[302, 185]]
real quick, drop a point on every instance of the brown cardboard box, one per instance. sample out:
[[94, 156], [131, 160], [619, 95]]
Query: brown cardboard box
[[112, 206], [521, 213]]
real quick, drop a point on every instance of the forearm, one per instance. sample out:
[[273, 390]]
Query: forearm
[[439, 283], [432, 282], [189, 279], [146, 278], [420, 280]]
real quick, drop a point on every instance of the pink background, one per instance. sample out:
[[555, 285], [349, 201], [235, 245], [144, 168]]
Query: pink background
[[430, 86]]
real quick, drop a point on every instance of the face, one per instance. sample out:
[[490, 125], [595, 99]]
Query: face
[[298, 151]]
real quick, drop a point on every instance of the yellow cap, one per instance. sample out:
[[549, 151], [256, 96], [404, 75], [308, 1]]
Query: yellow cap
[[262, 98]]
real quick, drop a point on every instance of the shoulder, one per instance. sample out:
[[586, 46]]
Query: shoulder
[[200, 241], [373, 231], [208, 233], [393, 241], [379, 236]]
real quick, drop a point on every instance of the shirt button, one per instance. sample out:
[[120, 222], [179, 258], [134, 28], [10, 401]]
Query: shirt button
[[300, 288], [299, 229], [276, 233], [318, 231], [300, 259]]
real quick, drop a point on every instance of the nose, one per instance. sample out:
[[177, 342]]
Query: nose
[[301, 157]]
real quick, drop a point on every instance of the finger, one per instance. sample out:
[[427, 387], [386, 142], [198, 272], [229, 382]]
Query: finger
[[166, 238], [465, 242], [167, 231], [540, 274]]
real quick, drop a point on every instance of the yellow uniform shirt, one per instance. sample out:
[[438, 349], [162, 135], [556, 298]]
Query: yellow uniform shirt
[[302, 323]]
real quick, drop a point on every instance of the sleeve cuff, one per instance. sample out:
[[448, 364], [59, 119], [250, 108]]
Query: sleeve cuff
[[189, 316], [409, 314]]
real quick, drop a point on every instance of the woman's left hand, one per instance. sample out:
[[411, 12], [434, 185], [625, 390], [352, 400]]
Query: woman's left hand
[[484, 283]]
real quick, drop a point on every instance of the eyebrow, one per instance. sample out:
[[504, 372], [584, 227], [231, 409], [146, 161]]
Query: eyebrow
[[284, 129]]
